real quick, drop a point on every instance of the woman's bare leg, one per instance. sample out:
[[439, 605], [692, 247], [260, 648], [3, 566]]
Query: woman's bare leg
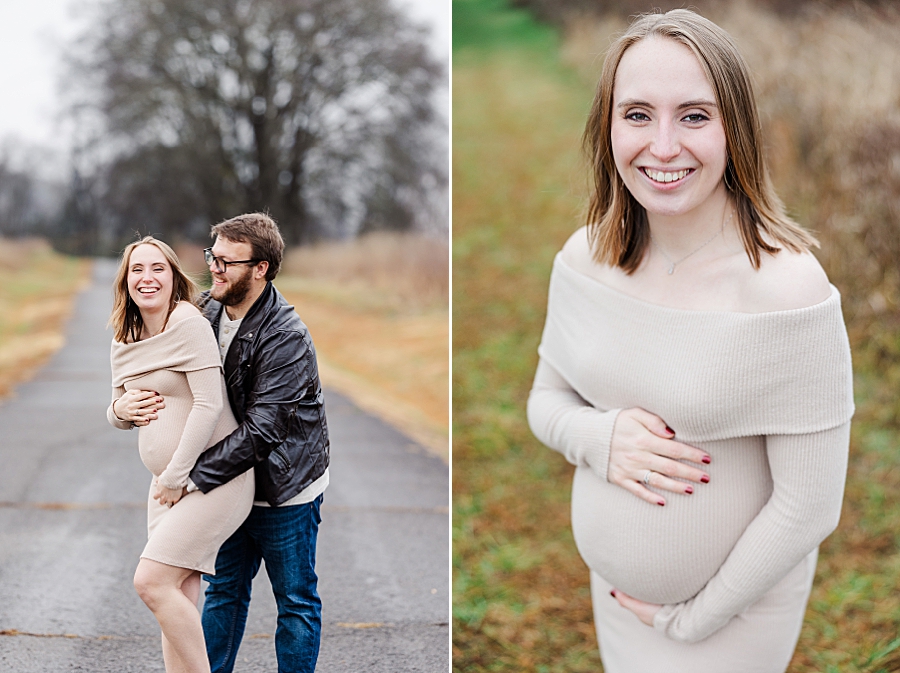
[[190, 588], [171, 594]]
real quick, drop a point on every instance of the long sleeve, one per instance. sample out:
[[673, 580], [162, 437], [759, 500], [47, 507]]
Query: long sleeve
[[114, 420], [565, 422], [206, 389], [808, 474]]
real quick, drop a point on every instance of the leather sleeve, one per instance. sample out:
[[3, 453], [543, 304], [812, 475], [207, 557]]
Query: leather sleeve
[[282, 375]]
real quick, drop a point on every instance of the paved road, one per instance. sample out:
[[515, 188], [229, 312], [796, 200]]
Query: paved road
[[72, 526]]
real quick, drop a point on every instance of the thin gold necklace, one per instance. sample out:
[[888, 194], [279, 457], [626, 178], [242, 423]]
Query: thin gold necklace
[[672, 264]]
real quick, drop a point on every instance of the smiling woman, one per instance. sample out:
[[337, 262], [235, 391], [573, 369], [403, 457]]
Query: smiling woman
[[164, 357], [694, 359]]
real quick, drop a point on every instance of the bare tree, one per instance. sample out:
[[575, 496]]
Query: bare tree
[[28, 200], [291, 106]]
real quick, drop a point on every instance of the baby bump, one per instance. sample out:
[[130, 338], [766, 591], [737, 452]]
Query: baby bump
[[158, 440], [668, 554]]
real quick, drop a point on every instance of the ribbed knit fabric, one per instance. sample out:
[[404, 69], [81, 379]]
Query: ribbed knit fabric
[[768, 396], [182, 364]]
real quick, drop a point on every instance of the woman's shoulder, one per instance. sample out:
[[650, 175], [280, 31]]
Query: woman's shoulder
[[576, 251], [785, 281], [182, 311], [579, 256]]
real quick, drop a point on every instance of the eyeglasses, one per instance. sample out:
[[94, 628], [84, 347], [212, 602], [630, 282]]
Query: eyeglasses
[[220, 264]]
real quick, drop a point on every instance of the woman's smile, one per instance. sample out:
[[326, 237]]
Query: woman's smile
[[666, 177]]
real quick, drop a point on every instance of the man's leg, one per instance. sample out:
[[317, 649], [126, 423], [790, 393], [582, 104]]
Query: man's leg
[[228, 597], [288, 545]]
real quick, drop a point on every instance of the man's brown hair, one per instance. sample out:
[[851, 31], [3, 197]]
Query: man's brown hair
[[261, 232]]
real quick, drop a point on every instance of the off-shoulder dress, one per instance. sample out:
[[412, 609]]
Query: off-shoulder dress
[[183, 365], [769, 396]]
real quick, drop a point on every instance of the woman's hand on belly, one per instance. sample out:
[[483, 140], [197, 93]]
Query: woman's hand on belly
[[643, 452], [138, 406], [644, 611]]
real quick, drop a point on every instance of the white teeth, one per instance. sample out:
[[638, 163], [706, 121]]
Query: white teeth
[[661, 176]]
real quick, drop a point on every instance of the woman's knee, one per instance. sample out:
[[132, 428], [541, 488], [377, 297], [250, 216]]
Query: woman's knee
[[147, 584], [153, 580]]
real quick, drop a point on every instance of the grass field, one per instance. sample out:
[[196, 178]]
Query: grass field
[[37, 287], [520, 592]]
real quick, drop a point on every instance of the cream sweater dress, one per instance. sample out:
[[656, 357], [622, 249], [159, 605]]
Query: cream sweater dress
[[769, 396], [183, 365]]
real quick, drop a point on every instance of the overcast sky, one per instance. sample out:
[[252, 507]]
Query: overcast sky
[[33, 33]]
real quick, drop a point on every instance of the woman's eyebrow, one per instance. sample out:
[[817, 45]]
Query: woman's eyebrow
[[634, 101], [700, 102]]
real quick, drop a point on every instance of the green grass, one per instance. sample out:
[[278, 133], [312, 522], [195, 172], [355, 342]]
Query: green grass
[[492, 24], [520, 591]]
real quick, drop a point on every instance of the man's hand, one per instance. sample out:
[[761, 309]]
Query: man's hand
[[644, 611], [139, 406], [168, 496]]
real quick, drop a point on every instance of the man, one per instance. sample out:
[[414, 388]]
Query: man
[[274, 391]]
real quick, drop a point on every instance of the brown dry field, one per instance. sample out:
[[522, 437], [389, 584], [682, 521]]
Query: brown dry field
[[393, 365], [37, 288]]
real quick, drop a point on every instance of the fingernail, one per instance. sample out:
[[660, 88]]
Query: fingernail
[[704, 479], [613, 593], [688, 490], [707, 460], [661, 503], [670, 430]]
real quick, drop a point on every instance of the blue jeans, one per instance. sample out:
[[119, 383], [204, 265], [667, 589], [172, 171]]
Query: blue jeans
[[285, 537]]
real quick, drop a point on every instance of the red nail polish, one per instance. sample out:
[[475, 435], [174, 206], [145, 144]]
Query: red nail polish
[[661, 503], [704, 479], [688, 490], [613, 593], [707, 460], [670, 430]]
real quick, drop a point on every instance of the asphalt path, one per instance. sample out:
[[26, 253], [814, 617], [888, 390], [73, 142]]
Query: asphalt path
[[73, 524]]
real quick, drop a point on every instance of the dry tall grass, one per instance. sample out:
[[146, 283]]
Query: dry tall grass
[[37, 287], [377, 308], [408, 269]]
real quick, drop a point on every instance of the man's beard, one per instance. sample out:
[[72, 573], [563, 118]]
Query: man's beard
[[235, 292]]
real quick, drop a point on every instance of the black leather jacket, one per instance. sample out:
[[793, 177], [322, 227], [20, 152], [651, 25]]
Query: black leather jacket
[[274, 390]]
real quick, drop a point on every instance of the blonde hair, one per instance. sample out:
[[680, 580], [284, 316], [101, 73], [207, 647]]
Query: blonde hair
[[125, 318], [617, 224]]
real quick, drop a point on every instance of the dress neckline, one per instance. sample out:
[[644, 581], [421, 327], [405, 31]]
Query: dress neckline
[[560, 262], [169, 328]]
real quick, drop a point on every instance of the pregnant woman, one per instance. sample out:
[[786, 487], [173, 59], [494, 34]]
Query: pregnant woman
[[163, 344], [695, 368]]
